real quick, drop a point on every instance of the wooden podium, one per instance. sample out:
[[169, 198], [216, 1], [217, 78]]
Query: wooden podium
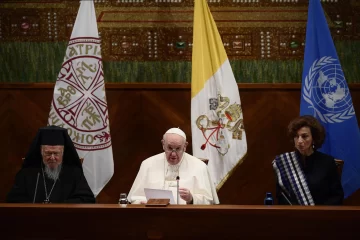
[[99, 221]]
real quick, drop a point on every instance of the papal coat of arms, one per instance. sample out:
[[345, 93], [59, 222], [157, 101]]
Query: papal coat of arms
[[229, 117]]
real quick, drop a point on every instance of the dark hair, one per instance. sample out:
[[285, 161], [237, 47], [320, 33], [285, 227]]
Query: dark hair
[[317, 130]]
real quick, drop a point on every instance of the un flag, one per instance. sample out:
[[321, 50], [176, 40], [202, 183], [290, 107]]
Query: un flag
[[325, 95]]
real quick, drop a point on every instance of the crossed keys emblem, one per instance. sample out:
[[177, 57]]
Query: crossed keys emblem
[[226, 118]]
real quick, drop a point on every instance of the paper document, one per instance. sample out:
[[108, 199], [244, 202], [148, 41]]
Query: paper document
[[159, 193]]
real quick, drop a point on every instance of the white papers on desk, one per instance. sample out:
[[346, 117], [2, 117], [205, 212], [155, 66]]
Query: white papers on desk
[[159, 193]]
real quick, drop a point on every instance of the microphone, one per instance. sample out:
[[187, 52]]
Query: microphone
[[177, 189], [287, 200], [37, 181]]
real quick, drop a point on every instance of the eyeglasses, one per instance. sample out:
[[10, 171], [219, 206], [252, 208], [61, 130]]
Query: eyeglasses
[[170, 150], [49, 154]]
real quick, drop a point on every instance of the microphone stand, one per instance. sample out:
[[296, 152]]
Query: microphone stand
[[37, 181], [287, 200], [177, 189]]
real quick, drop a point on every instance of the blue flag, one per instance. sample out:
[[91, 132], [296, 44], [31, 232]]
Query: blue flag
[[326, 96]]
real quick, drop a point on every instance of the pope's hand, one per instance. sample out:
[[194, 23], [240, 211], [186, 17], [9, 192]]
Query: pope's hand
[[185, 194]]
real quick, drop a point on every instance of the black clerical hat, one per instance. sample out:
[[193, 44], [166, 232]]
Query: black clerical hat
[[52, 135]]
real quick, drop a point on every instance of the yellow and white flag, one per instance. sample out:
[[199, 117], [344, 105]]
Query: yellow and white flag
[[79, 102], [216, 116]]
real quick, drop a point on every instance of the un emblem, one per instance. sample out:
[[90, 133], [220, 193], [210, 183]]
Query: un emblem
[[326, 91]]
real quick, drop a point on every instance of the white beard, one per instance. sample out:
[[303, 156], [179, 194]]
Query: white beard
[[53, 173]]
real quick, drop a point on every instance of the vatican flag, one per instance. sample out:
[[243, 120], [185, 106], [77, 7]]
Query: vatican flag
[[216, 116], [79, 101]]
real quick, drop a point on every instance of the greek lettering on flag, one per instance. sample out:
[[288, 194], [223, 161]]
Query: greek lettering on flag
[[79, 102]]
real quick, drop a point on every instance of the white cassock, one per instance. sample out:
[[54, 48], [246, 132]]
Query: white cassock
[[156, 173]]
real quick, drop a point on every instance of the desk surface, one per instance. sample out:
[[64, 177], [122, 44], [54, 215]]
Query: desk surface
[[188, 207], [110, 221]]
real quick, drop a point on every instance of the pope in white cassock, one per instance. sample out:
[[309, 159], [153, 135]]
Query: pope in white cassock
[[160, 172]]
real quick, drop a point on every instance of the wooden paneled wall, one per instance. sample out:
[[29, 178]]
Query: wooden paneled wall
[[139, 116]]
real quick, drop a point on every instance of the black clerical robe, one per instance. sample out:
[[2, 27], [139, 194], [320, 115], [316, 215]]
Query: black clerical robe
[[322, 179], [71, 187]]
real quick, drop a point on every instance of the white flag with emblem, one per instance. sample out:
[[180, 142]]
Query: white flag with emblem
[[79, 102], [216, 116]]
